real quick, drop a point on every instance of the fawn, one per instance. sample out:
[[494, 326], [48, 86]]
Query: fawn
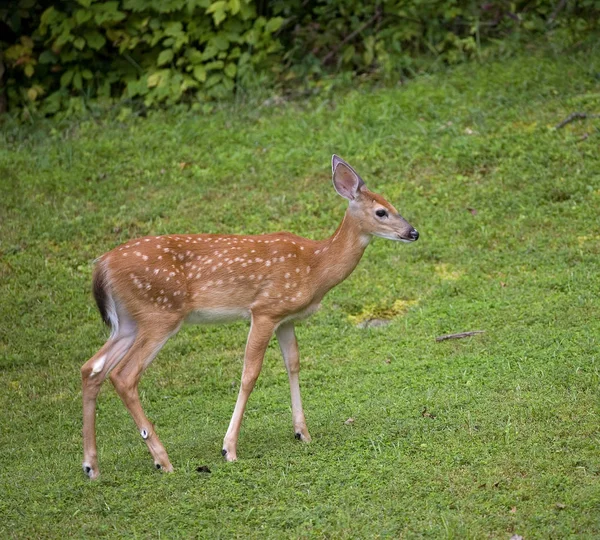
[[147, 288]]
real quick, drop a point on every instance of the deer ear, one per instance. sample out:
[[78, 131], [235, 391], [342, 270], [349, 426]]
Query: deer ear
[[345, 180]]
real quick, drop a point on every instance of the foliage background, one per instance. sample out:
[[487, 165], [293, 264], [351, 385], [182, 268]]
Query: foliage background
[[476, 438], [70, 55]]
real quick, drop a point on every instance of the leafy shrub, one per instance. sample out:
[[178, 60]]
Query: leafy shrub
[[157, 51], [389, 35], [58, 56]]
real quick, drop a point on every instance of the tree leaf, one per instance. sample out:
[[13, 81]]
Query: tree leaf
[[77, 81], [210, 52], [217, 64], [47, 57], [79, 43], [165, 57], [173, 28], [64, 37], [48, 17], [216, 6], [95, 39], [348, 54], [194, 55], [218, 11], [230, 70], [66, 78], [219, 17], [214, 79], [153, 79], [234, 6], [200, 73], [274, 24], [82, 16], [220, 41]]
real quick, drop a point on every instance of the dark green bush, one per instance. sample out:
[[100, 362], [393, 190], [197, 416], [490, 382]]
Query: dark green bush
[[157, 51], [59, 56]]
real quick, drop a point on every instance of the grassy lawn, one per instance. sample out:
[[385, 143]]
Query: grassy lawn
[[487, 436]]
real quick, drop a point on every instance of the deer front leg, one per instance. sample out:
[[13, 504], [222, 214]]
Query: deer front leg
[[260, 333], [289, 349]]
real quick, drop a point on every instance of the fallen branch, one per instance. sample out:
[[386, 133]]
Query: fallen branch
[[575, 116], [351, 36], [557, 10], [459, 335]]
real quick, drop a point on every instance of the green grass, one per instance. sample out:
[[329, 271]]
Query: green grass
[[508, 211]]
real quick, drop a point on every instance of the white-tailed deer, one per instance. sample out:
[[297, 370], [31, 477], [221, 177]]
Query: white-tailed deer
[[147, 288]]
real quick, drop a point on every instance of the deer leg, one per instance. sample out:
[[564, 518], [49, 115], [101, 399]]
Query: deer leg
[[289, 349], [125, 379], [93, 374], [260, 333]]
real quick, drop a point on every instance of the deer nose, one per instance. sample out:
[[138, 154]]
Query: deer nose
[[414, 234]]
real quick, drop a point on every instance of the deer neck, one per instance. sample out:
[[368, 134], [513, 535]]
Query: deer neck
[[342, 251]]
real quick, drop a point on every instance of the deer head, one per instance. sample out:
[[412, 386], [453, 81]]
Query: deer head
[[376, 216]]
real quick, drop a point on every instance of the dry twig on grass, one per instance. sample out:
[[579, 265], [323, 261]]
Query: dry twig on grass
[[575, 116], [459, 335]]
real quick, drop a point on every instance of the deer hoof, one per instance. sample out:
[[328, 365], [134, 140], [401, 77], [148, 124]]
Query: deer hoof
[[304, 437], [229, 456], [89, 471], [168, 468]]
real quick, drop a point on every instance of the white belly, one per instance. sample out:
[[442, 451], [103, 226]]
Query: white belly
[[307, 312], [217, 315]]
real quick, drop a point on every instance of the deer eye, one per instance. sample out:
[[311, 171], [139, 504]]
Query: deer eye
[[381, 213]]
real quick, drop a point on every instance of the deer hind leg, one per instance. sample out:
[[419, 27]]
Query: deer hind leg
[[261, 331], [289, 349], [93, 374], [125, 378]]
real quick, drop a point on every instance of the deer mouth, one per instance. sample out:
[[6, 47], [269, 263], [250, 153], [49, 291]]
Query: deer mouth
[[412, 236]]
